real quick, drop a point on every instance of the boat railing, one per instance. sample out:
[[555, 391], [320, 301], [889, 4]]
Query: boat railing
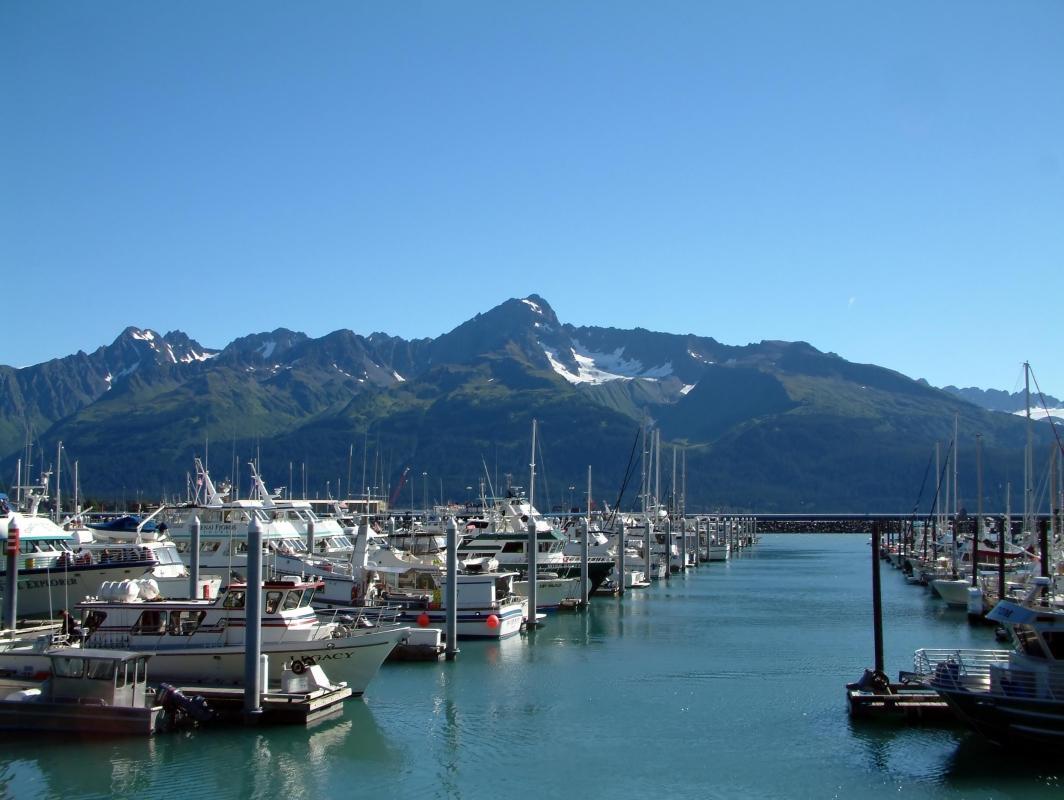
[[968, 666], [362, 617], [989, 672]]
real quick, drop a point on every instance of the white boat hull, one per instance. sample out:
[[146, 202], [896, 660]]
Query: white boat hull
[[719, 552], [550, 592], [954, 592]]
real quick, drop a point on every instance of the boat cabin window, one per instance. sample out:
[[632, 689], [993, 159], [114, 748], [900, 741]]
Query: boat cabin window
[[234, 600], [209, 547], [514, 547], [1055, 642], [68, 667], [99, 669], [151, 621], [184, 622], [93, 620], [546, 547], [166, 555], [293, 599], [182, 547], [273, 601], [1027, 641]]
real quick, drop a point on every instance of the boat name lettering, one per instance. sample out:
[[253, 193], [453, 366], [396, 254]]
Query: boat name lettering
[[310, 661], [41, 584]]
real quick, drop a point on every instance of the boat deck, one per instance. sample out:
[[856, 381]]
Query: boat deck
[[286, 708], [910, 704]]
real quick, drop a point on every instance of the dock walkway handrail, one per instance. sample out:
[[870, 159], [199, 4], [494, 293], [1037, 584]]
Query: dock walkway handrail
[[969, 662]]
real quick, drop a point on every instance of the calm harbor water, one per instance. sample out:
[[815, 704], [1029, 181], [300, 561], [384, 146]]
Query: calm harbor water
[[727, 682]]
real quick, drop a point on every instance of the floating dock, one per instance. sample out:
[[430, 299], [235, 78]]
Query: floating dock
[[900, 702], [278, 707]]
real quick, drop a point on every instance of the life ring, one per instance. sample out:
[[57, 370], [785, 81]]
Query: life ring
[[298, 667]]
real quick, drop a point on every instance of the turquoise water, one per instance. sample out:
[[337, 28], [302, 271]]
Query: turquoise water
[[728, 682]]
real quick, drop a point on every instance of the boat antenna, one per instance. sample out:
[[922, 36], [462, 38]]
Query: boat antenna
[[487, 475]]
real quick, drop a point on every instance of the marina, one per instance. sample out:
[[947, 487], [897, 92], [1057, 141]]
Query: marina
[[723, 690]]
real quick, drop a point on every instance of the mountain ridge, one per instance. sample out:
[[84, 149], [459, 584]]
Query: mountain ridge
[[771, 424]]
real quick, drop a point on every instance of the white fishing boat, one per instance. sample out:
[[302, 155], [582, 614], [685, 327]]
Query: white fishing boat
[[86, 691], [202, 641], [224, 524], [1012, 697], [487, 608], [59, 566], [508, 547]]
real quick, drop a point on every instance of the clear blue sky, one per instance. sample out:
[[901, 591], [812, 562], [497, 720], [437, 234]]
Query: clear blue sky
[[883, 180]]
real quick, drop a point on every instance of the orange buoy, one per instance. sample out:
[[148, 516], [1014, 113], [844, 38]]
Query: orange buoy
[[423, 619], [492, 621]]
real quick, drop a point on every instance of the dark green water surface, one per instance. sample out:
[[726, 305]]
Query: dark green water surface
[[728, 682]]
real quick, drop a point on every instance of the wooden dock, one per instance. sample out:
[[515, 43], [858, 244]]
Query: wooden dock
[[901, 702], [278, 708]]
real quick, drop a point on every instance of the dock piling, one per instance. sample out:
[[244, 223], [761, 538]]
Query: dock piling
[[585, 579], [11, 592], [647, 548], [451, 646], [877, 602], [533, 570], [193, 558], [253, 677], [683, 543]]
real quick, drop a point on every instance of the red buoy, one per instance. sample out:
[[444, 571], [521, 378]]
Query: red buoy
[[423, 619], [492, 621]]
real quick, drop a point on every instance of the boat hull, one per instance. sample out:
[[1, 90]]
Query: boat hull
[[74, 718], [1009, 721], [42, 592], [954, 592], [472, 623], [354, 659]]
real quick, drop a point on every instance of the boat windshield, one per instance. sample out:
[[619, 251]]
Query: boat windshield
[[1055, 642], [167, 555], [96, 669], [1027, 641]]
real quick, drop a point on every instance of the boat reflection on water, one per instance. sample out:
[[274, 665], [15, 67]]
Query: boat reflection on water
[[976, 763], [273, 761]]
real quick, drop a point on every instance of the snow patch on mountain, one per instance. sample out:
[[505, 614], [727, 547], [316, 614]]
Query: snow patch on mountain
[[192, 355], [687, 387], [268, 348], [596, 368], [144, 336], [534, 306], [1041, 413]]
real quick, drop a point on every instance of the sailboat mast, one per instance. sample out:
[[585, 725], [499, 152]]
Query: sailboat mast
[[657, 469], [643, 467], [675, 494], [532, 475], [1028, 465], [956, 471], [59, 483]]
